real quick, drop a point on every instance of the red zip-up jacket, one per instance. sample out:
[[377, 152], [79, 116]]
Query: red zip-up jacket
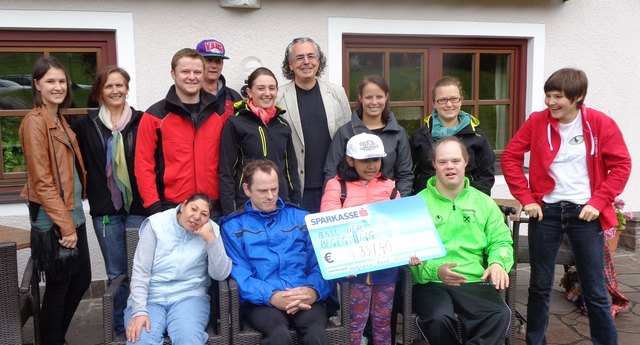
[[608, 160], [177, 155]]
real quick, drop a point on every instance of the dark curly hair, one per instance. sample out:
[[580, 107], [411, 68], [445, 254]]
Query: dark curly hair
[[286, 70]]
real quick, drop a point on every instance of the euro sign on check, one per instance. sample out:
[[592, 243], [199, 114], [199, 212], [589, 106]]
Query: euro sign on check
[[372, 237]]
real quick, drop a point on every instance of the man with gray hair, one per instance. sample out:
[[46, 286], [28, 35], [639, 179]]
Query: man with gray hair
[[315, 110]]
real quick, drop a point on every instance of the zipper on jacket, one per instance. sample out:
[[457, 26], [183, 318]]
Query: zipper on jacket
[[263, 139], [453, 204]]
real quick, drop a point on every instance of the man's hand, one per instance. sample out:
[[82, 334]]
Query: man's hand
[[135, 327], [497, 274], [450, 277], [533, 210], [589, 213], [293, 300]]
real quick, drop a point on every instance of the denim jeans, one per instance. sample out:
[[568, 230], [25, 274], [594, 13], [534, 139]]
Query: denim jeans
[[112, 244], [311, 198], [587, 243], [184, 321]]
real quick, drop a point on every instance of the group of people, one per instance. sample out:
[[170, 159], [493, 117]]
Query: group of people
[[219, 185]]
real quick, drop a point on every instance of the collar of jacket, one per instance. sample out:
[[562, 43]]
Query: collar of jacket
[[359, 127], [431, 189], [279, 206], [242, 106], [552, 127], [93, 115], [208, 105], [475, 122]]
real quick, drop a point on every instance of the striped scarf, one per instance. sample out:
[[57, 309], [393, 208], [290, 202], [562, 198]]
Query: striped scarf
[[116, 168]]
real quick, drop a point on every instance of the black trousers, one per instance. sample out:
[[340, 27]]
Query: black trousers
[[61, 297], [484, 315], [274, 324]]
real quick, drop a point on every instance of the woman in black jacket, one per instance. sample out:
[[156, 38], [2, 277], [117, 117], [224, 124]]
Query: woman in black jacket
[[107, 138], [257, 131], [448, 120]]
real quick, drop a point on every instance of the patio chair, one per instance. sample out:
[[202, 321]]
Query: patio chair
[[19, 302], [339, 332], [218, 328], [410, 329]]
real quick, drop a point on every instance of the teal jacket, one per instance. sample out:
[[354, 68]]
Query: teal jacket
[[473, 233]]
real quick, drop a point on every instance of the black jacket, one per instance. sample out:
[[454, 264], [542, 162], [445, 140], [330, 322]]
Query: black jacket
[[244, 138], [92, 136], [396, 165], [480, 168]]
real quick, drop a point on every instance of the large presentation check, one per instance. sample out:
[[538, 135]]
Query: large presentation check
[[372, 237]]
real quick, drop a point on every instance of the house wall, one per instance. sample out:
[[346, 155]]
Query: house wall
[[596, 36]]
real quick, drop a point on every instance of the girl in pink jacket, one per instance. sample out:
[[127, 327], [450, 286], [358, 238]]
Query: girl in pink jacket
[[359, 181]]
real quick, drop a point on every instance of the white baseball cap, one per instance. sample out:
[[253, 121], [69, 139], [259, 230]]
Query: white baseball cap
[[365, 146]]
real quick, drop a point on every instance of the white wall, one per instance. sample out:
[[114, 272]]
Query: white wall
[[596, 36]]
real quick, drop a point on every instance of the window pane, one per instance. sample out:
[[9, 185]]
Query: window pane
[[468, 109], [12, 156], [461, 67], [494, 76], [81, 67], [362, 64], [408, 117], [494, 122], [406, 76], [15, 79]]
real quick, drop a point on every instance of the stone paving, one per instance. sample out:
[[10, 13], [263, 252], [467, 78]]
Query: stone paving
[[567, 325]]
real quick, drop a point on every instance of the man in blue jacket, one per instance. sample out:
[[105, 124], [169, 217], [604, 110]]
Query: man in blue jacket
[[274, 262]]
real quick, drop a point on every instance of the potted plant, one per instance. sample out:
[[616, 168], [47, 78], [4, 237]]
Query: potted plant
[[612, 235]]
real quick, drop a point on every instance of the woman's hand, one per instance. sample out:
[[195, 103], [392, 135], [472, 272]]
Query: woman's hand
[[589, 213], [135, 327], [206, 232], [69, 241], [533, 210], [414, 261]]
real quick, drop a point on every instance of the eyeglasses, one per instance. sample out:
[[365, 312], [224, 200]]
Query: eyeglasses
[[453, 100], [310, 57]]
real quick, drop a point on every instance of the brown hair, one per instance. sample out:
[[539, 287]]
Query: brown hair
[[381, 83], [41, 67], [185, 52], [446, 81], [264, 165], [286, 70], [463, 149], [573, 83], [258, 72], [101, 79]]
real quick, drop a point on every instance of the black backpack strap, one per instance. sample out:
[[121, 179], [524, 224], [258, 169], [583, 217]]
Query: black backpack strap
[[343, 191], [394, 193]]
